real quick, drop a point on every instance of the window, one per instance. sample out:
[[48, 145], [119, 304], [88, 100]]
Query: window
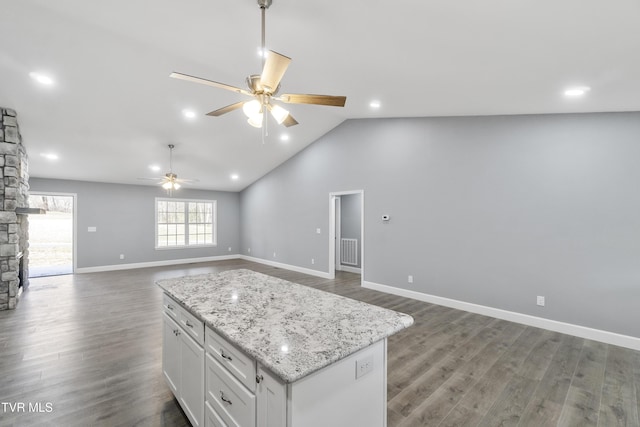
[[184, 223]]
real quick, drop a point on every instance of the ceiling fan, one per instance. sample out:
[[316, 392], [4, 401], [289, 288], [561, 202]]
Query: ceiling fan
[[170, 180], [264, 88]]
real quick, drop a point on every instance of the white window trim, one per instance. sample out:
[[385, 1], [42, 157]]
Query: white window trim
[[186, 201]]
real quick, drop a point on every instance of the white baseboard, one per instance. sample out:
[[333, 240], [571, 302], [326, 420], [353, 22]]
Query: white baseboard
[[525, 319], [154, 264], [350, 269], [304, 270]]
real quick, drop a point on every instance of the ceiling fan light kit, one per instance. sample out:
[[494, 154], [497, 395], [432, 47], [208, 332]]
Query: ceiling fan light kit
[[264, 88], [170, 180]]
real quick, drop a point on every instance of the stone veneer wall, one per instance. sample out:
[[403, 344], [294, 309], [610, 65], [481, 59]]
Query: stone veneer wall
[[14, 192]]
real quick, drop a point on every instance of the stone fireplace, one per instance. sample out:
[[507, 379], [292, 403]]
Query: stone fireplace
[[14, 223]]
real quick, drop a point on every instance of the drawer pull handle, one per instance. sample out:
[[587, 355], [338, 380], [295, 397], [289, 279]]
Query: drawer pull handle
[[188, 324], [225, 400], [259, 378], [170, 307], [224, 356]]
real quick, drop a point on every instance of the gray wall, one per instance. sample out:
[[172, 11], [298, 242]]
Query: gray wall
[[350, 215], [124, 217], [488, 210]]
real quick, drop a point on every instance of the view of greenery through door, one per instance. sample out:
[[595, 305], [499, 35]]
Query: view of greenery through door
[[51, 236]]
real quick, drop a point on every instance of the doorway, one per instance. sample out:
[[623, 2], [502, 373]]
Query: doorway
[[346, 232], [52, 236]]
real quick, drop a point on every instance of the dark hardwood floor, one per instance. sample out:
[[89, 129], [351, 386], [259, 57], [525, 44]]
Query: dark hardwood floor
[[85, 350]]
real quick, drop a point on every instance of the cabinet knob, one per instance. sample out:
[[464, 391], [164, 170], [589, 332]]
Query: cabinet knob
[[225, 400], [170, 307], [176, 332], [225, 356], [188, 324], [259, 378]]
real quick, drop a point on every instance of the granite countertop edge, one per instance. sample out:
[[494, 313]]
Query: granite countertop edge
[[403, 322]]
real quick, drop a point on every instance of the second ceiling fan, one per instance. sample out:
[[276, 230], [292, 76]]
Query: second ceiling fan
[[264, 88]]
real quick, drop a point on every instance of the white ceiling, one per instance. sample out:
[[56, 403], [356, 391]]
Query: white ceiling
[[113, 109]]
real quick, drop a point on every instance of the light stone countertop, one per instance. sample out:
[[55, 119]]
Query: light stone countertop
[[290, 329]]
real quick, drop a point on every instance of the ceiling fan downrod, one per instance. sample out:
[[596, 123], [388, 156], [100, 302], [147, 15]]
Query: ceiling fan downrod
[[264, 5]]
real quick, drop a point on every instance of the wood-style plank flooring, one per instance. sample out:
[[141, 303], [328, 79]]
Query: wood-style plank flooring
[[89, 346]]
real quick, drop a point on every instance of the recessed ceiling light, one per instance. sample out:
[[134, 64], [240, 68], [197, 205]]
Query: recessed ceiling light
[[374, 104], [575, 92], [284, 137], [189, 114], [154, 168], [234, 177], [49, 156], [41, 78]]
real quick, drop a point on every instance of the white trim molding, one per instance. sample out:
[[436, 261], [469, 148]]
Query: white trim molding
[[132, 266], [304, 270], [525, 319]]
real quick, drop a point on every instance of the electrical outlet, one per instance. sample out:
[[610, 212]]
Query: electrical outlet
[[249, 250], [92, 229], [121, 256], [318, 231], [229, 248], [274, 254], [364, 366], [410, 279], [313, 261], [540, 301]]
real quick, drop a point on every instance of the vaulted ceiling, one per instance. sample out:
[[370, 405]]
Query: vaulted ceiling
[[113, 109]]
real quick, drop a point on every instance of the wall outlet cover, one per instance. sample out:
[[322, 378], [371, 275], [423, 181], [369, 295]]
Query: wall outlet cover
[[364, 366]]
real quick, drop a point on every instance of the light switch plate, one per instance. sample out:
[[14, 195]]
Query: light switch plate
[[92, 229]]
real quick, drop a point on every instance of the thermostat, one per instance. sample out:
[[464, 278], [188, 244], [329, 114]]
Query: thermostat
[[386, 217]]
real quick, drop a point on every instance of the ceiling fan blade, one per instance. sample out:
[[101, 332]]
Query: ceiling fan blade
[[298, 98], [186, 180], [274, 68], [290, 121], [225, 110], [208, 82]]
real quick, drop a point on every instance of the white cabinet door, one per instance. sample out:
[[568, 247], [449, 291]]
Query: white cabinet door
[[192, 385], [171, 353], [271, 397]]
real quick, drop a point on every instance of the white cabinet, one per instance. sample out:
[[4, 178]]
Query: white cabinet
[[231, 400], [171, 353], [192, 373], [218, 385], [183, 361], [272, 401]]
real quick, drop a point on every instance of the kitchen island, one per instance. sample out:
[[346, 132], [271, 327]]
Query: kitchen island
[[245, 349]]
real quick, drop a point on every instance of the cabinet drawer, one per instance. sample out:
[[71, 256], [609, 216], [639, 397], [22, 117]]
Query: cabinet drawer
[[191, 325], [170, 307], [228, 397], [211, 419], [239, 364]]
